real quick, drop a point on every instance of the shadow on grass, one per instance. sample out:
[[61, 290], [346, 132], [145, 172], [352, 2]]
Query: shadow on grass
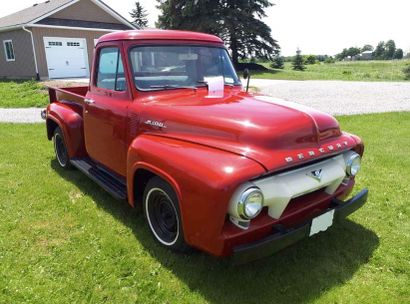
[[297, 274]]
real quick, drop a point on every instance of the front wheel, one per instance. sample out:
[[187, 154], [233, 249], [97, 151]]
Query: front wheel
[[161, 210], [60, 149]]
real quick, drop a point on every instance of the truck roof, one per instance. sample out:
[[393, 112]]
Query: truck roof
[[159, 35]]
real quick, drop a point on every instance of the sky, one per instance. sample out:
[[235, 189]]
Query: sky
[[314, 26]]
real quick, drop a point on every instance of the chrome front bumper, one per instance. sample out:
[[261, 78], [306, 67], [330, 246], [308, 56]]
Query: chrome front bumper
[[279, 189], [282, 237]]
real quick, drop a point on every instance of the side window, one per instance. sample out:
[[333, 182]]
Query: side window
[[110, 74], [9, 50]]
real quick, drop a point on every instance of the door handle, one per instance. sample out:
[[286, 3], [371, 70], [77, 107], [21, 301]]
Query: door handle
[[89, 101]]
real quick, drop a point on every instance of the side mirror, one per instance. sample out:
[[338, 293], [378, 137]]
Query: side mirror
[[246, 73]]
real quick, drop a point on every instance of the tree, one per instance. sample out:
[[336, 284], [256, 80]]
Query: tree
[[367, 47], [237, 22], [322, 58], [298, 63], [139, 15], [398, 54], [311, 59], [342, 55], [379, 51], [277, 62], [350, 52], [353, 51], [390, 49]]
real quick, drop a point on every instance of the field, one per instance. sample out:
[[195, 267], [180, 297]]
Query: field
[[64, 240], [352, 71]]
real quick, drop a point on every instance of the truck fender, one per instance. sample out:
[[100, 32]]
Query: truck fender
[[69, 118], [204, 179]]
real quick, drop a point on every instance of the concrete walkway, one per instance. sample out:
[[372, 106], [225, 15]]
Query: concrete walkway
[[26, 115]]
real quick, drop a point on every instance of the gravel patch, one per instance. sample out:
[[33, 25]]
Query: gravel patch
[[71, 82], [340, 97]]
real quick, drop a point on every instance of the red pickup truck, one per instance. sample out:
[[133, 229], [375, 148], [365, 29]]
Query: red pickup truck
[[166, 125]]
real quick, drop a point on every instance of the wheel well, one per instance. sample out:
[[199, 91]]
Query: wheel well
[[141, 179], [51, 126]]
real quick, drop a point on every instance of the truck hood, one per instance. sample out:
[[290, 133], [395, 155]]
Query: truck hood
[[265, 129]]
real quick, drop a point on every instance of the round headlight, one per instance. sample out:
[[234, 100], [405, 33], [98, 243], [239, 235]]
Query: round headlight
[[250, 203], [353, 164]]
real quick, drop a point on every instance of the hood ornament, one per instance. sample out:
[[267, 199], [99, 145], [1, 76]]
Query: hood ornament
[[316, 174]]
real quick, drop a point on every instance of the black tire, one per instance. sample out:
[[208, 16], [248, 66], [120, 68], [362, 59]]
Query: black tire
[[60, 149], [161, 210]]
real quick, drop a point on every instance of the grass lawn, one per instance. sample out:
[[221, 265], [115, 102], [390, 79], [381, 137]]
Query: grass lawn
[[64, 240], [355, 71], [22, 94]]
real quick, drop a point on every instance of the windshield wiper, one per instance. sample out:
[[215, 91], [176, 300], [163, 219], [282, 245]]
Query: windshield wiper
[[202, 83], [171, 87]]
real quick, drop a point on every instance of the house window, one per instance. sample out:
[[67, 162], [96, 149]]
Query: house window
[[73, 43], [55, 43], [9, 50]]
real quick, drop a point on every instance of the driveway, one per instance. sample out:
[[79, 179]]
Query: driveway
[[340, 97], [334, 97]]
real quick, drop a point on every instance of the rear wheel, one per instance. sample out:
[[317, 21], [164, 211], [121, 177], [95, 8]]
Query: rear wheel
[[161, 210], [60, 149]]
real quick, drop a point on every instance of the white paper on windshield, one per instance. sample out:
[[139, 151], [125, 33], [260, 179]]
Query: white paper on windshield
[[215, 86]]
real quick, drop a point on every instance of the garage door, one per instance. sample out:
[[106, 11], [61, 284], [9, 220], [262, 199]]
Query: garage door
[[66, 57]]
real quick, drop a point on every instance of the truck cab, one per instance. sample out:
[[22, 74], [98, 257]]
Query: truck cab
[[166, 125]]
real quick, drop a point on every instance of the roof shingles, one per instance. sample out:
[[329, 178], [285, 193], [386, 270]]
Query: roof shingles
[[32, 13]]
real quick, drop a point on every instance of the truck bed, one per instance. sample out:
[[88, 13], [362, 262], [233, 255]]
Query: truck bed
[[71, 94]]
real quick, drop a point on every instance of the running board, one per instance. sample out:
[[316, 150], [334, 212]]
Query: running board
[[110, 183]]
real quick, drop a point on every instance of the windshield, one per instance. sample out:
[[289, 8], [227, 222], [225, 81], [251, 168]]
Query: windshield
[[169, 67]]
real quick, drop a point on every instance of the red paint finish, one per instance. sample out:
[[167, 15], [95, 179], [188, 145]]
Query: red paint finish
[[204, 147], [105, 124], [202, 178], [159, 35]]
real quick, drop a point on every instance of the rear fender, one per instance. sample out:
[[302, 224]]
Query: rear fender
[[69, 118], [203, 178]]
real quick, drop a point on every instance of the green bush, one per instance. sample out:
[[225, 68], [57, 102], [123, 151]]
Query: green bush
[[406, 72]]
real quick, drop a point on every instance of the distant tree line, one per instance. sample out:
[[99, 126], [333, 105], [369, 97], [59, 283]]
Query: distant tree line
[[300, 61], [383, 51]]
